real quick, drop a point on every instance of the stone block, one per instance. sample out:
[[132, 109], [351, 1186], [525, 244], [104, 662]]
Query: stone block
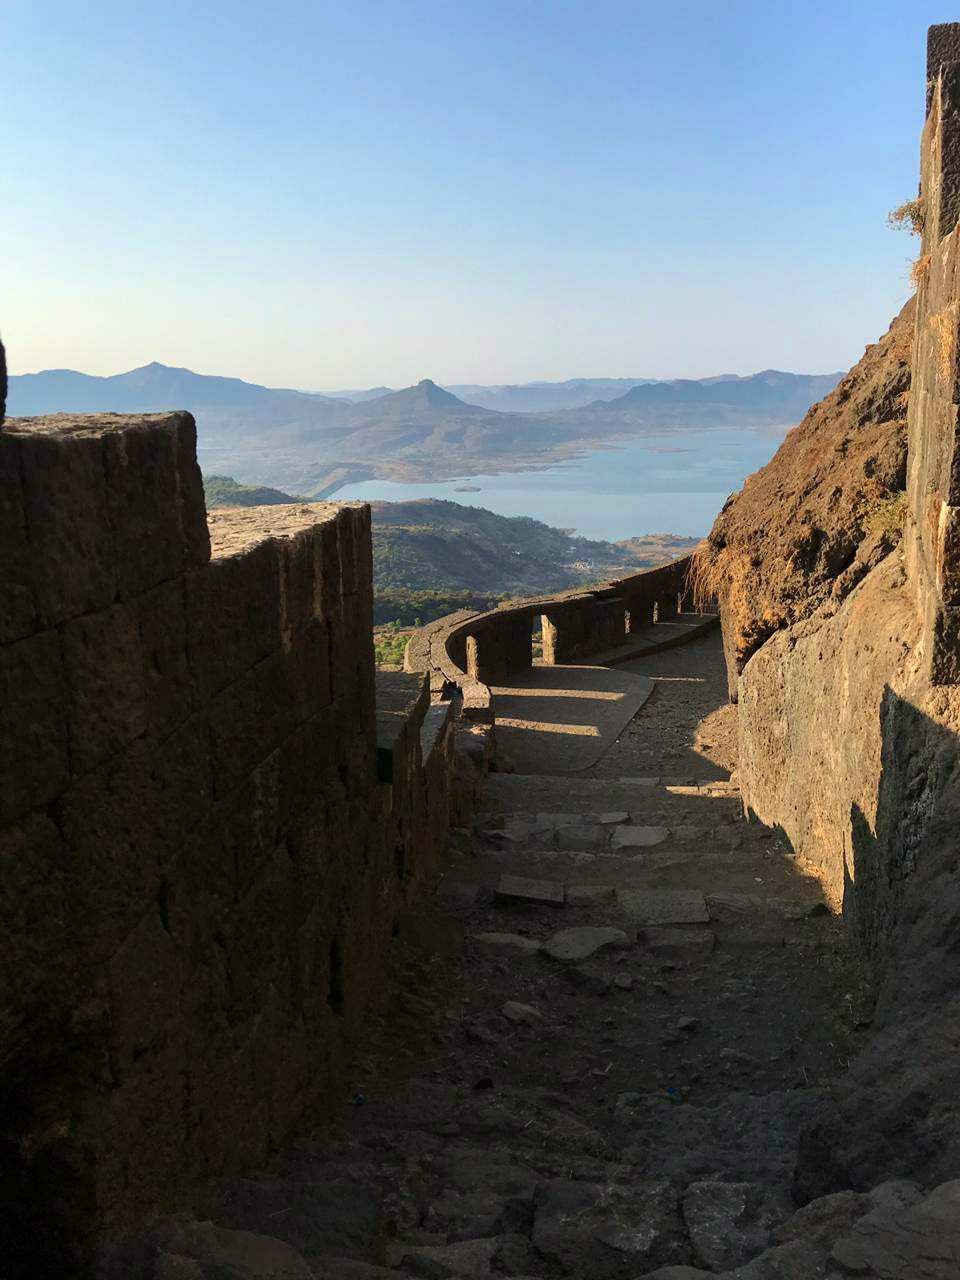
[[141, 466], [192, 503], [585, 895], [34, 755], [167, 682], [352, 530], [678, 906], [573, 945], [308, 667], [258, 950], [36, 924], [305, 756], [126, 824], [581, 836], [327, 567], [631, 837], [145, 977], [677, 944], [251, 821], [523, 889], [299, 581], [249, 720], [106, 696], [17, 612], [68, 523], [233, 616]]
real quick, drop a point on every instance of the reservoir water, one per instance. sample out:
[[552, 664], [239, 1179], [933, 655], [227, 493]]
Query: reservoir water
[[670, 483]]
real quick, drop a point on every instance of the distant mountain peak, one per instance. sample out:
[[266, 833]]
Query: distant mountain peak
[[424, 397]]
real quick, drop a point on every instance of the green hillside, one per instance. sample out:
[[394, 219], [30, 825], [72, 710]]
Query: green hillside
[[431, 557]]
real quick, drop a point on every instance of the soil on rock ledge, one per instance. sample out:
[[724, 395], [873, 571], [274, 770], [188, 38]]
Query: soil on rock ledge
[[808, 526]]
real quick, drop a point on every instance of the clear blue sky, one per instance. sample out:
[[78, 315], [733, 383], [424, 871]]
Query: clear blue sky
[[344, 194]]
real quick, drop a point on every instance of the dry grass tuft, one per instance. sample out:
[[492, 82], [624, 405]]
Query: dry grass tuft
[[886, 515], [705, 576], [945, 327], [908, 217], [920, 270]]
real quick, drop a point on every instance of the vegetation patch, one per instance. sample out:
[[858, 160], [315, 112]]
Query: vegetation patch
[[908, 217], [886, 515]]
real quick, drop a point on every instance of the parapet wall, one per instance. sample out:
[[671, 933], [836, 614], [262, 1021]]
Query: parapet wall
[[470, 651], [201, 865]]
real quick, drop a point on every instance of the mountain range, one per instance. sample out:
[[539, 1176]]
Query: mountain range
[[314, 444]]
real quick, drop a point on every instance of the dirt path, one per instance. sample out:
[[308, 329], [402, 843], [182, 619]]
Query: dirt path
[[599, 1104]]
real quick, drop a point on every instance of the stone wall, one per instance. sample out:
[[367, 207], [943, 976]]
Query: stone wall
[[200, 861], [470, 651], [932, 533]]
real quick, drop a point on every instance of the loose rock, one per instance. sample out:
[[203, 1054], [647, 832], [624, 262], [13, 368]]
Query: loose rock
[[728, 1222], [580, 943], [522, 1014]]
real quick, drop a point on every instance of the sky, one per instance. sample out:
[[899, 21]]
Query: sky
[[338, 195]]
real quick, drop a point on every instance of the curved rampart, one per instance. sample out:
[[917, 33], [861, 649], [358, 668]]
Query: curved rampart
[[470, 651]]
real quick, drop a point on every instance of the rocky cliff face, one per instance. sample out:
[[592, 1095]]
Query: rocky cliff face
[[848, 747], [806, 528], [838, 570]]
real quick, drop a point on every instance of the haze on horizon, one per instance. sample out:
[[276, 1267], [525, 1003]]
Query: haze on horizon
[[323, 196]]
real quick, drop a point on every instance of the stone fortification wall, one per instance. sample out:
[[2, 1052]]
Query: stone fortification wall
[[201, 862], [850, 737], [470, 651]]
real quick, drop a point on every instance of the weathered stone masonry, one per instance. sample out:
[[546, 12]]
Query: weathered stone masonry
[[200, 863]]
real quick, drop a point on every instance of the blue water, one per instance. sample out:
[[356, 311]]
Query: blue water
[[670, 483]]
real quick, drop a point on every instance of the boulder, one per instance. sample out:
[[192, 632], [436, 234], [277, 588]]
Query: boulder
[[728, 1222], [608, 1231]]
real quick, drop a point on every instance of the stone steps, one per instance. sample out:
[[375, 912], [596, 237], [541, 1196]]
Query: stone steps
[[516, 793], [602, 1047]]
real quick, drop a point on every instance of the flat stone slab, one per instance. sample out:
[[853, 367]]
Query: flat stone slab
[[554, 820], [614, 817], [740, 905], [735, 904], [508, 943], [580, 944], [585, 894], [525, 828], [688, 833], [523, 889], [675, 906], [638, 837], [581, 837], [677, 944]]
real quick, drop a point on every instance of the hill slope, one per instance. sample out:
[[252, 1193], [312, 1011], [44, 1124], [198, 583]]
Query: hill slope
[[808, 526], [442, 547]]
